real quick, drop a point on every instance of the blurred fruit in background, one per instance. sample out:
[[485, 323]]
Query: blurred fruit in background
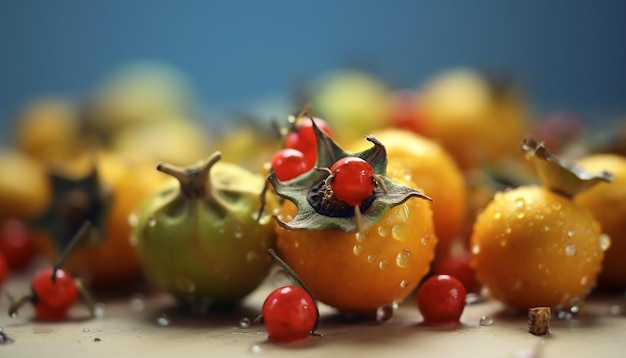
[[353, 102], [607, 202], [107, 195], [49, 129], [17, 244], [478, 120], [558, 130], [24, 186], [139, 92]]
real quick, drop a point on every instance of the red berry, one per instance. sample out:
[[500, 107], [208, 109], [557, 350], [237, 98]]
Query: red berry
[[289, 314], [289, 163], [458, 266], [405, 112], [53, 299], [441, 300], [353, 180], [17, 244], [302, 138]]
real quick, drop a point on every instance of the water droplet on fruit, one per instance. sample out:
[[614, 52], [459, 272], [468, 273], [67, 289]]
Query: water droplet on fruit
[[137, 304], [497, 215], [503, 242], [185, 284], [403, 258], [371, 258], [570, 250], [584, 280], [570, 233], [251, 256], [360, 236], [507, 230], [404, 283], [519, 203], [475, 249], [556, 206], [357, 249], [383, 264], [133, 220], [296, 244], [605, 242], [520, 215], [152, 221], [383, 230], [245, 322], [545, 228], [238, 232], [424, 240], [384, 313], [398, 233], [163, 320], [486, 321]]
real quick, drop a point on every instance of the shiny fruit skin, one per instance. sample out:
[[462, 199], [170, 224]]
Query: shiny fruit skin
[[288, 163], [531, 247], [201, 253], [289, 314], [607, 203], [434, 170], [441, 300], [353, 180], [358, 273], [53, 299]]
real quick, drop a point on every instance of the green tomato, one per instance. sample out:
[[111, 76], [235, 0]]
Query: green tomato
[[199, 239]]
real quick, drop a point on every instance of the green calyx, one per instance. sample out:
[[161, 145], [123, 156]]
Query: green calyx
[[558, 176], [318, 209]]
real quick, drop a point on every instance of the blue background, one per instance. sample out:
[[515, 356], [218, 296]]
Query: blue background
[[567, 54]]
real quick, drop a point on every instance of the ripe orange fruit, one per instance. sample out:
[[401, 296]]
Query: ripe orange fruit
[[607, 202], [434, 170], [360, 272], [532, 247]]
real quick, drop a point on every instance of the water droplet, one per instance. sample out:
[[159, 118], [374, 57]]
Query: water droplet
[[238, 232], [371, 258], [519, 203], [497, 215], [137, 304], [404, 283], [520, 215], [475, 249], [163, 320], [398, 233], [245, 322], [383, 264], [403, 258], [98, 310], [360, 236], [616, 310], [152, 221], [424, 240], [503, 242], [185, 284], [570, 233], [570, 250], [263, 220], [605, 242], [255, 349], [133, 220], [584, 280], [86, 330], [251, 256], [357, 249], [383, 230], [508, 230], [296, 244], [384, 313], [545, 228], [486, 321], [556, 206]]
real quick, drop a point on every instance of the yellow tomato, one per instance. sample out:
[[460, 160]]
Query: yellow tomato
[[24, 186]]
